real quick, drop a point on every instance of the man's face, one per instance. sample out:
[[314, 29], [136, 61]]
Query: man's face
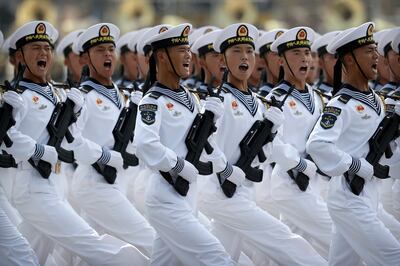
[[143, 64], [240, 61], [367, 58], [383, 68], [103, 58], [259, 67], [313, 72], [215, 65], [394, 63], [73, 63], [180, 58], [38, 56], [273, 63], [299, 60], [328, 62], [130, 63]]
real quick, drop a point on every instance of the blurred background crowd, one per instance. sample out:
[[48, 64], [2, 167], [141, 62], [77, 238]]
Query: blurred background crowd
[[128, 15]]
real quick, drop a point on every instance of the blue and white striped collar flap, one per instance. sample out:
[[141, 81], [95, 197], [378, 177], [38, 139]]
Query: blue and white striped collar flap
[[181, 96], [111, 94], [44, 90], [248, 100], [306, 98], [371, 98]]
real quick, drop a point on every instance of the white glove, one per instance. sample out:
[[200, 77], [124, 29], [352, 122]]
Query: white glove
[[275, 115], [76, 96], [116, 160], [397, 108], [15, 100], [311, 169], [283, 154], [214, 105], [136, 96], [50, 155], [237, 177], [366, 169]]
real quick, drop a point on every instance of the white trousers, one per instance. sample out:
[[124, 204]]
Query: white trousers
[[359, 233], [243, 219], [181, 240], [304, 209], [14, 249], [47, 218], [109, 208]]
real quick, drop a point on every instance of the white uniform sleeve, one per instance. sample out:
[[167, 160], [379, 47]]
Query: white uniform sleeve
[[321, 144], [147, 138], [85, 150], [23, 146]]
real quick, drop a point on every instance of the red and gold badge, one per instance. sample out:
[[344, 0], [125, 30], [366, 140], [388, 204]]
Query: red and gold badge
[[35, 99], [99, 101], [170, 106], [234, 105], [301, 34], [360, 108], [292, 104]]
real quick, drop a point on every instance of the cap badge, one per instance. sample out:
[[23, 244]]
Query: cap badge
[[279, 33], [242, 31], [162, 29], [40, 28], [186, 31], [104, 31], [301, 34]]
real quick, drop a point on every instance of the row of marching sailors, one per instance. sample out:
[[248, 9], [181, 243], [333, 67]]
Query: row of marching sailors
[[282, 219]]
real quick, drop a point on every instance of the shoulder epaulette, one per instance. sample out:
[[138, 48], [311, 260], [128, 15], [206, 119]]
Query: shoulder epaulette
[[344, 98], [85, 89], [279, 92], [225, 89], [154, 94]]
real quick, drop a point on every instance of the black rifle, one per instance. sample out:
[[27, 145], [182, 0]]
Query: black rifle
[[196, 141], [7, 120], [378, 145], [251, 146], [123, 132], [63, 116]]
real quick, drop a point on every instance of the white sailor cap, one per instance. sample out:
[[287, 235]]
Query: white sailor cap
[[396, 43], [122, 43], [143, 45], [351, 39], [97, 34], [239, 33], [178, 35], [385, 42], [298, 37], [34, 31], [379, 34], [197, 33], [263, 44], [132, 45], [204, 44], [320, 43], [5, 48], [64, 47]]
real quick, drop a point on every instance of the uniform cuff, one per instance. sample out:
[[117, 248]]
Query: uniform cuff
[[301, 167], [180, 163], [355, 166], [105, 156], [227, 172], [39, 152]]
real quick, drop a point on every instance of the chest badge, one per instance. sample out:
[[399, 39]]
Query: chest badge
[[170, 106], [292, 104], [99, 101], [360, 108], [35, 99], [234, 105]]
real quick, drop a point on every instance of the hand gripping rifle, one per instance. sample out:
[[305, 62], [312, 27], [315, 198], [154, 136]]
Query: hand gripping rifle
[[123, 132], [379, 143], [196, 141], [7, 120], [63, 116], [251, 146]]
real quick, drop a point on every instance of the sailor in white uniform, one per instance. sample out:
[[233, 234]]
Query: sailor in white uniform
[[167, 112], [339, 144], [47, 217], [237, 218]]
